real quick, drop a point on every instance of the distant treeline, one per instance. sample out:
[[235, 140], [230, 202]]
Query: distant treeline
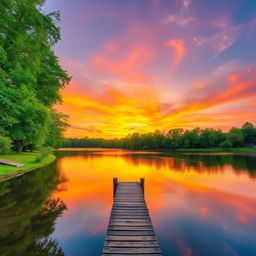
[[174, 139]]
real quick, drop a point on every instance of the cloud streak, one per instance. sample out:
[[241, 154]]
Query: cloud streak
[[178, 50]]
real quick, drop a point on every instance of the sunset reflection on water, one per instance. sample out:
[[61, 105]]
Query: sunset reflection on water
[[199, 205]]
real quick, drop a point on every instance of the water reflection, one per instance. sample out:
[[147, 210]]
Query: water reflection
[[28, 214], [200, 204]]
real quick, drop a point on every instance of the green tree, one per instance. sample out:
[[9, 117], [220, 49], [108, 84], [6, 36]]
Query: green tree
[[235, 136], [32, 126], [249, 132], [176, 137], [226, 144], [57, 126], [5, 144], [30, 74]]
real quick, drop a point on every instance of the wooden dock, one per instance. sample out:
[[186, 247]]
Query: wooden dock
[[130, 231], [12, 163]]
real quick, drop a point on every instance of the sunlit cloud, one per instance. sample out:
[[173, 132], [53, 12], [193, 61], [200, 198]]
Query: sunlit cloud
[[126, 68], [199, 85], [186, 3], [178, 20], [179, 50], [219, 41]]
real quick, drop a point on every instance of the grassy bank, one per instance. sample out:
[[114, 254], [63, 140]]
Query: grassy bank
[[29, 161], [209, 150]]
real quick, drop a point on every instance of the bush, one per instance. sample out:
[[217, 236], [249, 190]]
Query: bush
[[226, 144], [43, 153], [5, 144]]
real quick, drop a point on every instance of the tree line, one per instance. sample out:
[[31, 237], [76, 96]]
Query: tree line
[[175, 139], [30, 76]]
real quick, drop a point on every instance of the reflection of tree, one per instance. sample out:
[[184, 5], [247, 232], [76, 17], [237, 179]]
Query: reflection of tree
[[212, 163], [28, 214], [196, 162], [216, 163], [45, 247]]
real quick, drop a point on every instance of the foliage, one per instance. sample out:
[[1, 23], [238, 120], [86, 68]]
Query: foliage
[[30, 74], [174, 139], [226, 144], [5, 144], [58, 124], [249, 133], [43, 153], [235, 136]]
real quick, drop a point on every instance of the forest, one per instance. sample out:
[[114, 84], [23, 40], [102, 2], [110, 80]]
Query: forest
[[175, 139], [30, 77]]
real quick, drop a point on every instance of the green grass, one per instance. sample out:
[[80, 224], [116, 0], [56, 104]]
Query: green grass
[[27, 158], [216, 150]]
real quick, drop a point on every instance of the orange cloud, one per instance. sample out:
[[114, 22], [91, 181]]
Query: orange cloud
[[242, 86], [114, 113], [179, 50], [204, 211], [199, 85]]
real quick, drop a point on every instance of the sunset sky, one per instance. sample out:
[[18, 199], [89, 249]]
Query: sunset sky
[[142, 65]]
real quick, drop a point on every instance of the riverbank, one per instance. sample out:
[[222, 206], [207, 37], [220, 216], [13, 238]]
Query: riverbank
[[29, 161], [213, 150], [179, 150]]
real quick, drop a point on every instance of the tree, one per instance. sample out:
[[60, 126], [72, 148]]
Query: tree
[[235, 136], [191, 138], [5, 144], [57, 126], [30, 74], [249, 132], [175, 137], [225, 144], [32, 125]]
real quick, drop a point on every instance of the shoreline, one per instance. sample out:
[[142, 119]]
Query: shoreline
[[178, 150], [26, 168]]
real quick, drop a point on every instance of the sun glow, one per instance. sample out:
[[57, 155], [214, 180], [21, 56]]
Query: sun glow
[[161, 71]]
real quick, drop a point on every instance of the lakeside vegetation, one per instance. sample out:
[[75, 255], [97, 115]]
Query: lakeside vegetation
[[30, 77], [31, 161], [178, 139]]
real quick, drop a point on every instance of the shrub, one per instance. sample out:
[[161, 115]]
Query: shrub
[[43, 153], [5, 144], [226, 144]]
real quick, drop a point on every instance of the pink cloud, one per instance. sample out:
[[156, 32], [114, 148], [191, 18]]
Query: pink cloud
[[219, 41], [179, 50], [128, 67], [178, 20], [186, 3]]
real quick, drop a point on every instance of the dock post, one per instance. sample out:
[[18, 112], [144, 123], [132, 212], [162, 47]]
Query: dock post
[[115, 181], [142, 180]]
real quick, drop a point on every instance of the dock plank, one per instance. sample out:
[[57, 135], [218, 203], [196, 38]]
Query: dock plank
[[130, 231], [12, 163]]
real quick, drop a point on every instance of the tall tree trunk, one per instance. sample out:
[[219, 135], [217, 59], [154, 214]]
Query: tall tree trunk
[[19, 146]]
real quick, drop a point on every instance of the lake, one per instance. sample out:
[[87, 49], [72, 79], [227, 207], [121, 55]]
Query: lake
[[200, 204]]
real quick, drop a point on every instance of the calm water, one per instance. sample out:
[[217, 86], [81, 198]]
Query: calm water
[[199, 204]]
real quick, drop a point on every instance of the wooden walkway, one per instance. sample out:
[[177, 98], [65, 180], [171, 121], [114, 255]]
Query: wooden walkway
[[130, 231], [12, 163]]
